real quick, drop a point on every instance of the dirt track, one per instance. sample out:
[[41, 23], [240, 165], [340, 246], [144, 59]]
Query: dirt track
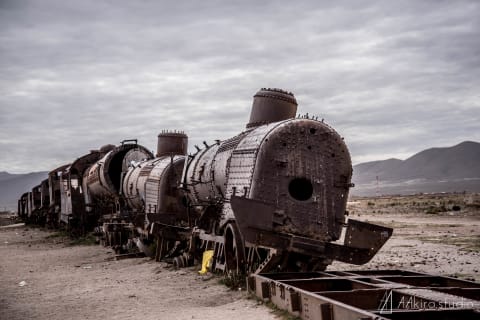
[[82, 282]]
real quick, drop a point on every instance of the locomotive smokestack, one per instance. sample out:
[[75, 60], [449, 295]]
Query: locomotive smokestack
[[272, 105], [172, 143]]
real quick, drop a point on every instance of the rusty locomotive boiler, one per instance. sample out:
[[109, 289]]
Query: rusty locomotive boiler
[[272, 197], [275, 195], [102, 180], [150, 187]]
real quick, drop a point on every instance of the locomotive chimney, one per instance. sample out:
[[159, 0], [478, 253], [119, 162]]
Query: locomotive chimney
[[272, 105], [172, 143]]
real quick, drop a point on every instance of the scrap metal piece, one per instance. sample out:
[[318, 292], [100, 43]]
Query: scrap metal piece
[[362, 242]]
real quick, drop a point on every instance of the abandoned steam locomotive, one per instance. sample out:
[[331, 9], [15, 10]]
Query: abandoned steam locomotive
[[272, 197]]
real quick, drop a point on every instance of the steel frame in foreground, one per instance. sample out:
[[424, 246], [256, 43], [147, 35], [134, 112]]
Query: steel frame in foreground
[[379, 294]]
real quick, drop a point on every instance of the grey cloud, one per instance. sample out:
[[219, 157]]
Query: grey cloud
[[392, 77]]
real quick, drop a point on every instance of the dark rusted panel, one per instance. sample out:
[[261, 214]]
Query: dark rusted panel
[[326, 310], [304, 168], [295, 300], [250, 213], [362, 242], [365, 235], [36, 197], [251, 284], [45, 195], [23, 206], [265, 289]]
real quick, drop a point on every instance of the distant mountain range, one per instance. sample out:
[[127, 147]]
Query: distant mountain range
[[448, 169], [12, 186]]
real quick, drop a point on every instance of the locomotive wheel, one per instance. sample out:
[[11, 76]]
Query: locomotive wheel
[[234, 250]]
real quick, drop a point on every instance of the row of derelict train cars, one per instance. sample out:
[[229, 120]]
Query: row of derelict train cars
[[272, 198]]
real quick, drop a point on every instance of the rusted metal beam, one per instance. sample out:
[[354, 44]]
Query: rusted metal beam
[[379, 294]]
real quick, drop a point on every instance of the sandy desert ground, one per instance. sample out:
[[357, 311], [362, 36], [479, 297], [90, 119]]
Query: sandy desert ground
[[44, 276], [435, 234]]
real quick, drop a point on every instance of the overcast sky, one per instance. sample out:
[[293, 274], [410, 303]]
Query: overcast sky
[[393, 77]]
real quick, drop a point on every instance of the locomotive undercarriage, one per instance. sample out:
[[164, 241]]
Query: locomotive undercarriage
[[241, 246], [231, 255]]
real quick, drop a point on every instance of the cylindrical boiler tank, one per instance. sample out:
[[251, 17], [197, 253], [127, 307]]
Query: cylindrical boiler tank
[[151, 186], [104, 177]]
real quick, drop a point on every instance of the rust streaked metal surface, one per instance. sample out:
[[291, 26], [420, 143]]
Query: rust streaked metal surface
[[379, 294], [292, 196], [151, 186], [199, 177], [133, 186], [161, 194], [37, 196], [23, 206], [45, 195]]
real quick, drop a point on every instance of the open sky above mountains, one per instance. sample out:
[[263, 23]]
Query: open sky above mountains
[[393, 78]]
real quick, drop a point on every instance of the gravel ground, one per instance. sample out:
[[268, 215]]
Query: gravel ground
[[83, 282]]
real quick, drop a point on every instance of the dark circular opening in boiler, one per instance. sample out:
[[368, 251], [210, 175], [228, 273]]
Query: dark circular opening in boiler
[[300, 189]]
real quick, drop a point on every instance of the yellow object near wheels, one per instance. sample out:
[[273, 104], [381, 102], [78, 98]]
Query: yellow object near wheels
[[206, 261]]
